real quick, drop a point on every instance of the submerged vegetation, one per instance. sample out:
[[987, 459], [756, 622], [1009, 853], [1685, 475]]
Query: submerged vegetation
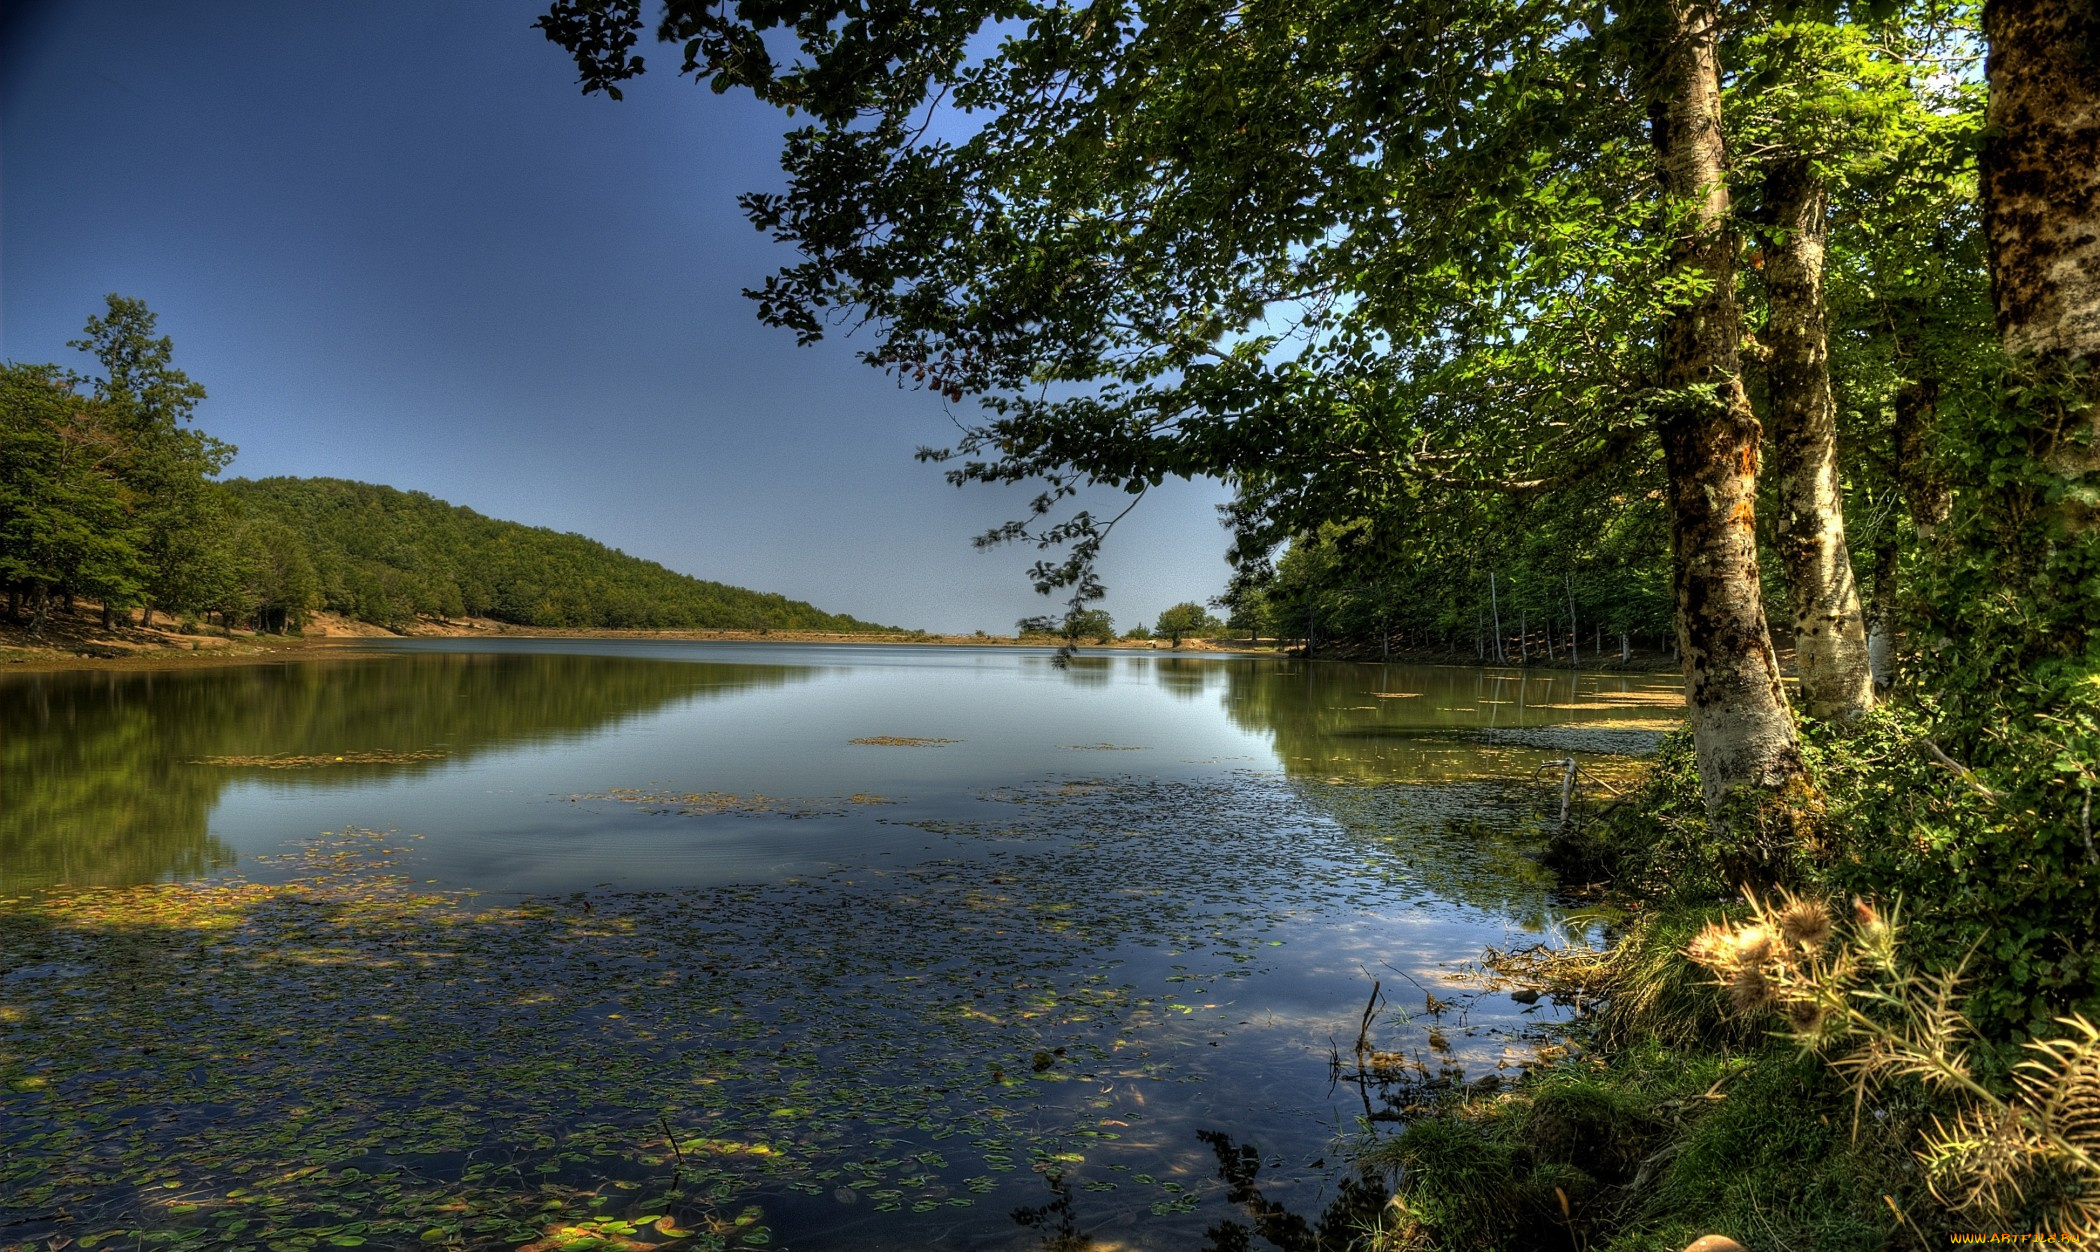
[[347, 1055]]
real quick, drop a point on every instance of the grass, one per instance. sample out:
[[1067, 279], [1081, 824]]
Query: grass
[[1675, 1118], [1682, 1114]]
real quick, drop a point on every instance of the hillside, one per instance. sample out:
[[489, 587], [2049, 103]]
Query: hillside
[[388, 557]]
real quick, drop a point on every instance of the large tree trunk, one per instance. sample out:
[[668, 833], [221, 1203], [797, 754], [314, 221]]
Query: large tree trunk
[[2041, 217], [1830, 636], [1741, 727], [2041, 183]]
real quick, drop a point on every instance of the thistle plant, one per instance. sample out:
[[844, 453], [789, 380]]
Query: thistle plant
[[1845, 995]]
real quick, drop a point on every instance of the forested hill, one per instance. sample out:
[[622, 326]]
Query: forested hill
[[388, 556]]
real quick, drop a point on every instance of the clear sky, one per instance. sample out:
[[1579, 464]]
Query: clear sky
[[397, 244]]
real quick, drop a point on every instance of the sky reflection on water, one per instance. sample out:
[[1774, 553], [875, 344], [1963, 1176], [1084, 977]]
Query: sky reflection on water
[[114, 777], [1184, 871]]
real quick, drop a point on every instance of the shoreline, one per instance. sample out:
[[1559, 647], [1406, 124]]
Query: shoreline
[[79, 643]]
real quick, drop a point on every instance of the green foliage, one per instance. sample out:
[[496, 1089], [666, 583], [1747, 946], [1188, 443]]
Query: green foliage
[[167, 464], [1094, 624], [1982, 877], [1429, 588], [1987, 787], [1185, 619], [66, 525], [1845, 990], [112, 496], [1076, 626], [1657, 844], [1680, 1118], [1650, 1151], [389, 557], [1359, 260], [279, 583]]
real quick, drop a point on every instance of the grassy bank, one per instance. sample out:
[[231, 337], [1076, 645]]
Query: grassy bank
[[1890, 1076]]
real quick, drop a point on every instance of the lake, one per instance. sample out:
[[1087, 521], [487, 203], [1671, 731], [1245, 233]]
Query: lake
[[533, 942]]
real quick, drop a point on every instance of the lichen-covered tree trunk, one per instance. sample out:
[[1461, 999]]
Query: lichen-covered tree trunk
[[1741, 727], [2041, 184], [1830, 635]]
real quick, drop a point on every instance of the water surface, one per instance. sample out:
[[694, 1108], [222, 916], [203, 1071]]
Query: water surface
[[1044, 955]]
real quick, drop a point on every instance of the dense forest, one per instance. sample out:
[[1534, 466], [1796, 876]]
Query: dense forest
[[109, 493], [388, 556]]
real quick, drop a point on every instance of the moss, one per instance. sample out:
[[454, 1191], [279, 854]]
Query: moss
[[1770, 1161], [1650, 1150], [1457, 1180], [1577, 1120]]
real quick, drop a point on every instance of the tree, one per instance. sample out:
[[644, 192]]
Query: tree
[[279, 585], [65, 524], [386, 556], [1821, 103], [2013, 609], [1094, 624], [2041, 188], [166, 463], [1186, 618], [1359, 260]]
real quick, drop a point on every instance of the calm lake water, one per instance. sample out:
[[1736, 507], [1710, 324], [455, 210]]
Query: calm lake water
[[876, 946]]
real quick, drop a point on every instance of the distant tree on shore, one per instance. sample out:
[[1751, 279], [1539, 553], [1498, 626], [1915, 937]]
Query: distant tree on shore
[[166, 463], [1094, 624], [389, 557], [1186, 618]]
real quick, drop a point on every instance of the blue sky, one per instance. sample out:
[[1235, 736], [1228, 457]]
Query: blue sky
[[398, 245]]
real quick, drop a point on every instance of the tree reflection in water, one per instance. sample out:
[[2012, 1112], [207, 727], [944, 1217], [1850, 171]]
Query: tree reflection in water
[[106, 778], [1358, 1203]]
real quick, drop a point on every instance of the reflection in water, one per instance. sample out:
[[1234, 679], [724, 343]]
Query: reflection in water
[[1358, 1203], [1435, 764], [1420, 723], [1101, 963], [1089, 671], [105, 776], [1185, 677]]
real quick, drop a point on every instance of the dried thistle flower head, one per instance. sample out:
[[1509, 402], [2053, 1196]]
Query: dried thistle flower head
[[1749, 990], [1753, 945], [1805, 925], [1714, 948], [1806, 1016]]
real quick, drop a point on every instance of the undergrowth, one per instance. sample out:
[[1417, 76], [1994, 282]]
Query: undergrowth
[[1682, 1118], [1688, 1112]]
